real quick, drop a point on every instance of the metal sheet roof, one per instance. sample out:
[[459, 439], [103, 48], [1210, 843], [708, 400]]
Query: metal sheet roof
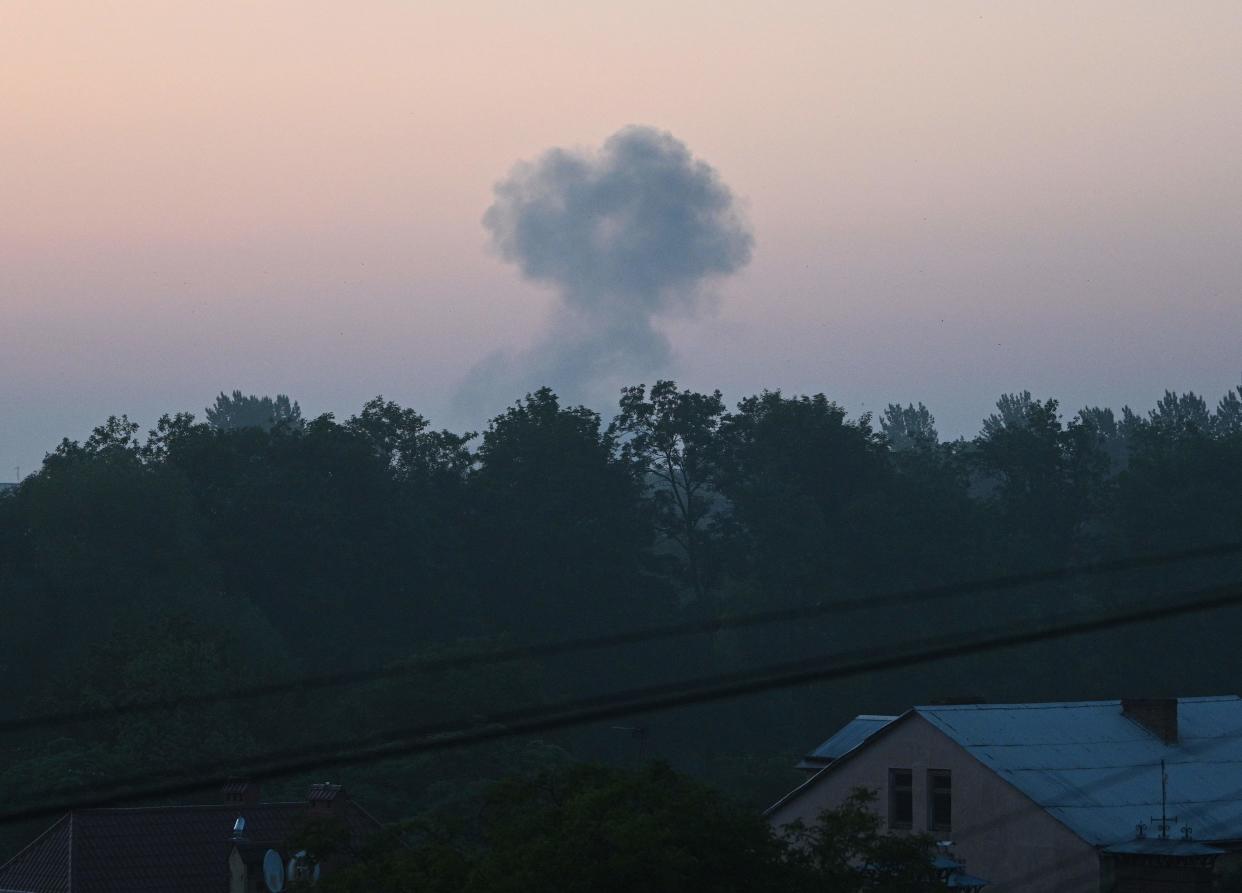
[[849, 736], [1154, 846], [1098, 771]]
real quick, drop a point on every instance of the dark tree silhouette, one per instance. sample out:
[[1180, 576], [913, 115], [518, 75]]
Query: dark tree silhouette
[[237, 410]]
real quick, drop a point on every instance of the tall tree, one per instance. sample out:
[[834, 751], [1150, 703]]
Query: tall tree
[[238, 410], [795, 470], [1180, 415], [1100, 424], [405, 441], [1228, 419], [909, 427], [670, 435], [558, 525], [1048, 477]]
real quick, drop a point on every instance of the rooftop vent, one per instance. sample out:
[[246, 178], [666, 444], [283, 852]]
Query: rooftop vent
[[1156, 715]]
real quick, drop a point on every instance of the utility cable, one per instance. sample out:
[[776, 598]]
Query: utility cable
[[583, 711], [507, 654]]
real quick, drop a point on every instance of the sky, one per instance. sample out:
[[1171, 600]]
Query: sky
[[945, 201]]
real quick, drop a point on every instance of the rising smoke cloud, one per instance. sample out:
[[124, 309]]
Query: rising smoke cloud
[[625, 235]]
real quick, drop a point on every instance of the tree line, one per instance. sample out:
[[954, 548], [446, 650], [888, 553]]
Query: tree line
[[257, 545]]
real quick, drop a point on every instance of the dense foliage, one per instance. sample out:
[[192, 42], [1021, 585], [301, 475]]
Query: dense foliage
[[590, 829], [259, 546]]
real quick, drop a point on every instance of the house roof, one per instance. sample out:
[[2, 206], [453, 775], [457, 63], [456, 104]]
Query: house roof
[[1096, 770], [154, 849], [324, 792], [849, 736]]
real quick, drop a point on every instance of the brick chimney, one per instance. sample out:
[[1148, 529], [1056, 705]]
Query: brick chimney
[[1157, 715], [241, 790], [326, 799]]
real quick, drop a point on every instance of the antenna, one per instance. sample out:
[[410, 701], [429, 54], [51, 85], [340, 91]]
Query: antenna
[[1164, 821]]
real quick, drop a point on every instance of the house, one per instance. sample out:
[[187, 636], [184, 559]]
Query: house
[[1121, 795], [241, 846]]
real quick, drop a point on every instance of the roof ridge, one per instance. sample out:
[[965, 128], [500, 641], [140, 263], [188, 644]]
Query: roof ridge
[[1033, 705], [112, 810], [1062, 705]]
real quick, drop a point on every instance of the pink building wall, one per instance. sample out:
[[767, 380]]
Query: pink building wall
[[999, 833]]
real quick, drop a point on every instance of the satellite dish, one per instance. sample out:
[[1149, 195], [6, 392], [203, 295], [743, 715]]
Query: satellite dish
[[273, 871]]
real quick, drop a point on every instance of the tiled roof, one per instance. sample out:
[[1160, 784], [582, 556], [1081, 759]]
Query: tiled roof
[[43, 866], [154, 849], [323, 792], [236, 787]]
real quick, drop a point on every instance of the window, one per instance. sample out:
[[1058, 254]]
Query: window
[[900, 798], [939, 800]]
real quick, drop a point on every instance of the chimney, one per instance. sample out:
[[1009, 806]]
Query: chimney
[[241, 790], [326, 799], [1157, 715]]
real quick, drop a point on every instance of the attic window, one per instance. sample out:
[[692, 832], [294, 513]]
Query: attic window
[[939, 800], [900, 799]]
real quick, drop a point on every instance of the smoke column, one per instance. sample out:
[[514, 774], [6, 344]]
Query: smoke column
[[626, 234]]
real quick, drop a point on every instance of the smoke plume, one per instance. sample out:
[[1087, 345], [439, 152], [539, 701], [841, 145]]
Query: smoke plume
[[625, 235]]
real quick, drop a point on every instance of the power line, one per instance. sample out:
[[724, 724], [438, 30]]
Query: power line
[[577, 712], [900, 598]]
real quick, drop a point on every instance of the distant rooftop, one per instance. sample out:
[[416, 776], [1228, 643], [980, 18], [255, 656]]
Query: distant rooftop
[[157, 849], [849, 736]]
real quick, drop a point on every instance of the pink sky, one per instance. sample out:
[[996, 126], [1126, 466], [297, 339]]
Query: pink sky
[[949, 200]]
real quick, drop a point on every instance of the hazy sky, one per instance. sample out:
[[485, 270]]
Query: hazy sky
[[948, 200]]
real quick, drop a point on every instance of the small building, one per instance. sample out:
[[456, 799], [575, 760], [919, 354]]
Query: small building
[[1069, 796], [240, 846]]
